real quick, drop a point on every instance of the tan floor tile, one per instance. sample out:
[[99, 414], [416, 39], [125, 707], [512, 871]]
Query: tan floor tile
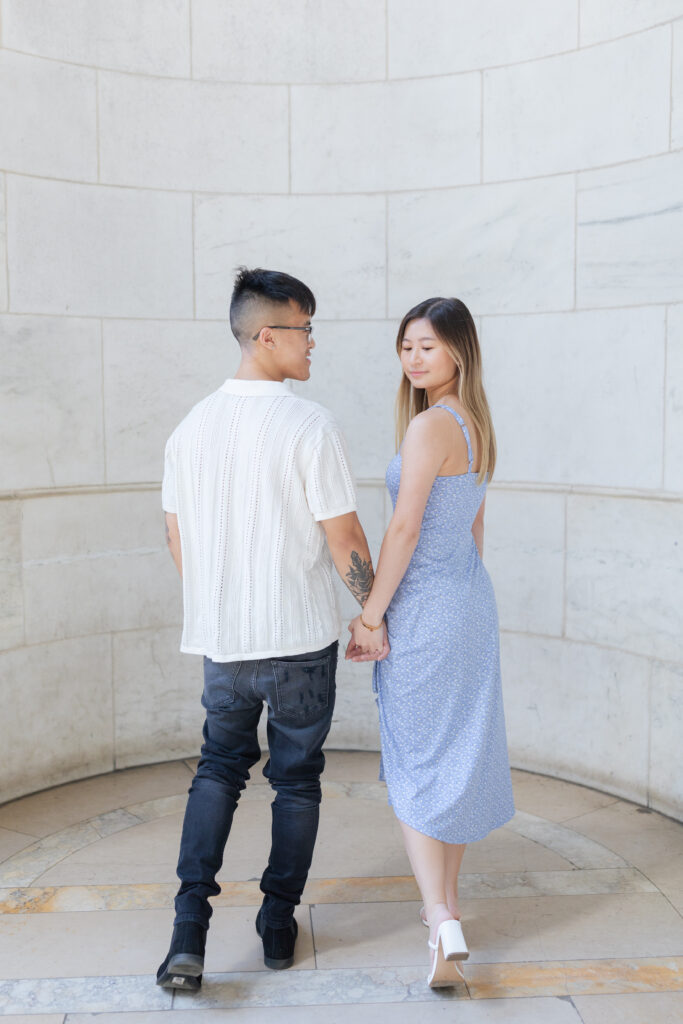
[[504, 850], [577, 927], [130, 942], [554, 799], [11, 842], [493, 1011], [55, 809], [358, 837], [634, 1008], [351, 766], [528, 929], [648, 841]]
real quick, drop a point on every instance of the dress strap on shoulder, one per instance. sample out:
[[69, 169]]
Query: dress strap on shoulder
[[464, 430]]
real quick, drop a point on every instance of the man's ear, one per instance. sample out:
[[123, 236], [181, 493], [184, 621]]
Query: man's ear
[[266, 338]]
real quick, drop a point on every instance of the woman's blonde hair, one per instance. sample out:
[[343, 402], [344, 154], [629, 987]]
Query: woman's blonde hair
[[453, 325]]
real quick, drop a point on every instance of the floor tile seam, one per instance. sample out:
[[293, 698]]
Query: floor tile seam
[[588, 839], [20, 854]]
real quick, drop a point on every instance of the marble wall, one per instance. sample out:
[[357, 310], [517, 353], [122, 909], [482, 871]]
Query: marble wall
[[536, 171]]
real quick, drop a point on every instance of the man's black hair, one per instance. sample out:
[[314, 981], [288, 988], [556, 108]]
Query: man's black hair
[[258, 286]]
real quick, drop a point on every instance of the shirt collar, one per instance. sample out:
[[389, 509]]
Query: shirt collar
[[256, 387]]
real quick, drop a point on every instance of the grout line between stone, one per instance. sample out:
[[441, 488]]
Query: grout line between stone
[[386, 40], [578, 24], [337, 320], [671, 88], [189, 37], [648, 795], [576, 233], [113, 701], [289, 139], [103, 395], [664, 395], [97, 123], [386, 256], [564, 569], [244, 194], [194, 270], [310, 921], [349, 81], [481, 128], [6, 214]]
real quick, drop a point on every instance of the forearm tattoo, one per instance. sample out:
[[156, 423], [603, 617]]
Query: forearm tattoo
[[168, 535], [359, 577]]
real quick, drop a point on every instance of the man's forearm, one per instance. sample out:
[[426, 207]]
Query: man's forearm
[[173, 540], [354, 564]]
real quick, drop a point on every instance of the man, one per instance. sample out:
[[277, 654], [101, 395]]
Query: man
[[259, 501]]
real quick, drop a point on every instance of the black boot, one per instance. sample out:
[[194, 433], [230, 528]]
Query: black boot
[[184, 964], [278, 943]]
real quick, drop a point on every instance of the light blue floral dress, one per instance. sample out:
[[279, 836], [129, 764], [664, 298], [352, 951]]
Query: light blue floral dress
[[444, 751]]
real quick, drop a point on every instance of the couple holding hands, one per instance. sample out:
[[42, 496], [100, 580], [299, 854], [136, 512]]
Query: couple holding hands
[[260, 505]]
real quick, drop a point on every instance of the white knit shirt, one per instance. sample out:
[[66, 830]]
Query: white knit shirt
[[250, 472]]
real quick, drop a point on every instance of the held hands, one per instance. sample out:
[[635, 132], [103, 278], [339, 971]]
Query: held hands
[[367, 644]]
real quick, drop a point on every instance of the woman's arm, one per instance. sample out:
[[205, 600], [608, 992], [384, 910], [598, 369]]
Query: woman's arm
[[427, 443]]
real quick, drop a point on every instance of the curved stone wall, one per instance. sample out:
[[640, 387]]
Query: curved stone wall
[[527, 157]]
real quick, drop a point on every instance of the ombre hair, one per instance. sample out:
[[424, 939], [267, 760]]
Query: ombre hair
[[453, 325]]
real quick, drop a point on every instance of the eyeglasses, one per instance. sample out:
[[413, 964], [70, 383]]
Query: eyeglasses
[[278, 327]]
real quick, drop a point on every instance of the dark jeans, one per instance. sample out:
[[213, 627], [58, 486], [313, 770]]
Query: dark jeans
[[299, 691]]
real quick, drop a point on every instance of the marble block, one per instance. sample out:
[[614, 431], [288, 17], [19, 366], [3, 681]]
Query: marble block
[[355, 373], [62, 694], [677, 87], [154, 372], [298, 42], [11, 594], [603, 19], [93, 250], [158, 714], [524, 554], [500, 248], [336, 244], [51, 402], [625, 574], [666, 751], [630, 233], [609, 114], [673, 451], [592, 407], [96, 563], [380, 136], [157, 133], [601, 427], [58, 102], [3, 246], [441, 37], [578, 712], [151, 37]]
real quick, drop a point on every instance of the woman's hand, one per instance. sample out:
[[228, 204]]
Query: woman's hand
[[367, 644]]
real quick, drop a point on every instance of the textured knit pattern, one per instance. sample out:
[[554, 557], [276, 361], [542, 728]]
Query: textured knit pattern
[[250, 473], [444, 751]]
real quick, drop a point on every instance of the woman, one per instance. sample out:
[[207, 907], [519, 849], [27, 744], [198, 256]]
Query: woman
[[444, 752]]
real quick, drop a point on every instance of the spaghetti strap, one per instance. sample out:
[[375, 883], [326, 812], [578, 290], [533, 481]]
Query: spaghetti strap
[[464, 430]]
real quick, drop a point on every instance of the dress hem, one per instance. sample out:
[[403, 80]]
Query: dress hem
[[454, 842]]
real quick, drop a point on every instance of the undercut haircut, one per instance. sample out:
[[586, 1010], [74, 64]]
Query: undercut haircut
[[257, 291]]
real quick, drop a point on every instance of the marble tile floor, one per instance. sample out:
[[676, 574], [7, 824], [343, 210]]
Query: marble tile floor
[[573, 911]]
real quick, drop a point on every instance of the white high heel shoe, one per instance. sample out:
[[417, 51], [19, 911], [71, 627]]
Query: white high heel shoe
[[450, 946]]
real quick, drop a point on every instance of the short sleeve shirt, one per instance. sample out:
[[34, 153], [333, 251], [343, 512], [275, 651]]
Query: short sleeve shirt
[[251, 472]]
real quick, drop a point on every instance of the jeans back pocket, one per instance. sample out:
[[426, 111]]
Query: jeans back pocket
[[302, 687], [219, 683]]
